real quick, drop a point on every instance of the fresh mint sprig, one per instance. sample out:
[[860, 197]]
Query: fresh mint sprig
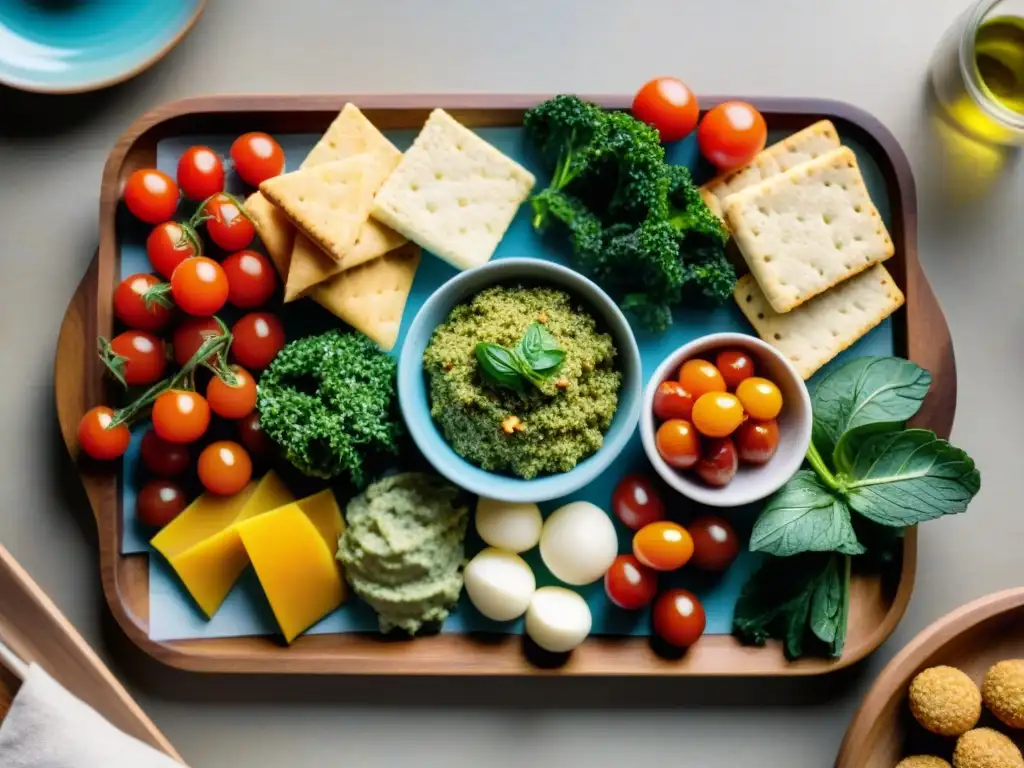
[[535, 359]]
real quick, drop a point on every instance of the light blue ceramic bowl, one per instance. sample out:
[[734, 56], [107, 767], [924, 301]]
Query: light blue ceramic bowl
[[71, 46], [414, 400]]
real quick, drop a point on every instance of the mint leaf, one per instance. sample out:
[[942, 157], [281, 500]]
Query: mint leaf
[[876, 393], [539, 350], [804, 516], [907, 477]]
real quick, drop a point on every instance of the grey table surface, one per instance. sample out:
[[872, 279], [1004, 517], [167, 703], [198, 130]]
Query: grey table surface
[[872, 53]]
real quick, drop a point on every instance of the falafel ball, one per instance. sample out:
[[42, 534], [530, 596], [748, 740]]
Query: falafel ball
[[922, 761], [985, 748], [1003, 691], [945, 701]]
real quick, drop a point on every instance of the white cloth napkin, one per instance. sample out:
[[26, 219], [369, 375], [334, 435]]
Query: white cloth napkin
[[47, 727]]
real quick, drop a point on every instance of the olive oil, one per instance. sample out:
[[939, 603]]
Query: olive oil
[[999, 56]]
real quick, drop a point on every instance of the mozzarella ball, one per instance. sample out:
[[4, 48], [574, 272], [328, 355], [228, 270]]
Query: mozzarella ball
[[508, 525], [578, 543], [500, 584], [558, 619]]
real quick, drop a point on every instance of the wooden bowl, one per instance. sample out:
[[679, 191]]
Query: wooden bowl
[[971, 638]]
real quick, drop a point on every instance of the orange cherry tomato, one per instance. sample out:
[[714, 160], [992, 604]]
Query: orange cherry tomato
[[144, 357], [257, 157], [663, 546], [251, 279], [678, 443], [159, 501], [717, 414], [757, 441], [735, 365], [668, 106], [98, 439], [130, 306], [259, 336], [715, 544], [717, 467], [200, 173], [637, 502], [228, 225], [169, 244], [629, 583], [678, 618], [699, 377], [672, 401], [232, 401], [189, 336], [224, 468], [181, 416], [731, 134], [761, 399], [151, 195], [199, 286]]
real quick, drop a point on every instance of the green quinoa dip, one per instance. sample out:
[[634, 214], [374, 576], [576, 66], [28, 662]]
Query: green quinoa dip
[[554, 426]]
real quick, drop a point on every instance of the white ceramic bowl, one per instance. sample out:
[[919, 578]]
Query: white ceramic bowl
[[751, 482]]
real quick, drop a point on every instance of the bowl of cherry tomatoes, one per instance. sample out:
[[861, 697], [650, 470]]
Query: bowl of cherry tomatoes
[[726, 420]]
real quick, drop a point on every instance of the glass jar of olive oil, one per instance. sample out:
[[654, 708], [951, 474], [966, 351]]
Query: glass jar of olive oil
[[978, 71]]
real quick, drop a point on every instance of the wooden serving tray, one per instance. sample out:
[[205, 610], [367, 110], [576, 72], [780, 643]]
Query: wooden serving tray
[[971, 638], [33, 627], [877, 603]]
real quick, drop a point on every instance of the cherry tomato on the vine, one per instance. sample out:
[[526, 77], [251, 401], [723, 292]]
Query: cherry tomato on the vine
[[672, 401], [717, 414], [668, 105], [169, 244], [678, 618], [731, 134], [232, 401], [228, 225], [258, 337], [200, 173], [761, 398], [161, 457], [629, 583], [199, 286], [663, 546], [715, 544], [159, 502], [224, 468], [130, 306], [678, 443], [145, 357], [98, 439], [189, 336], [735, 365], [257, 157], [699, 377], [251, 279], [252, 436], [757, 441], [181, 416], [718, 464], [151, 195], [636, 502]]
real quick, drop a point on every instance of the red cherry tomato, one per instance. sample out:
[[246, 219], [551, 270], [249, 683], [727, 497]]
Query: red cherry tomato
[[251, 279], [181, 416], [757, 441], [151, 195], [669, 106], [663, 546], [145, 357], [224, 468], [199, 286], [259, 336], [159, 502], [257, 157], [731, 134], [735, 365], [130, 307], [98, 439], [189, 336], [715, 545], [200, 173], [699, 377], [232, 401], [678, 443], [161, 457], [169, 244], [629, 583], [678, 618], [228, 225], [719, 463], [252, 436], [636, 502], [672, 401]]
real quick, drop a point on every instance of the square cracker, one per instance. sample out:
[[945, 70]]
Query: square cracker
[[371, 297], [817, 331], [453, 193], [807, 229], [350, 134], [810, 143], [275, 231]]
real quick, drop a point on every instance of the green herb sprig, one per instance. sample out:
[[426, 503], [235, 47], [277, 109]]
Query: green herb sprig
[[535, 359]]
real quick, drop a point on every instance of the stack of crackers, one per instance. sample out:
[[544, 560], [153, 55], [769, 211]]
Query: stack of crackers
[[346, 228], [814, 242]]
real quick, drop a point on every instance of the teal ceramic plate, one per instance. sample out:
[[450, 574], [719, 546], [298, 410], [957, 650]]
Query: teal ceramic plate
[[70, 46]]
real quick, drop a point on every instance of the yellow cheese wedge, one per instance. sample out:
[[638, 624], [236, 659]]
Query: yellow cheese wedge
[[298, 573], [200, 520], [210, 568], [324, 513]]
